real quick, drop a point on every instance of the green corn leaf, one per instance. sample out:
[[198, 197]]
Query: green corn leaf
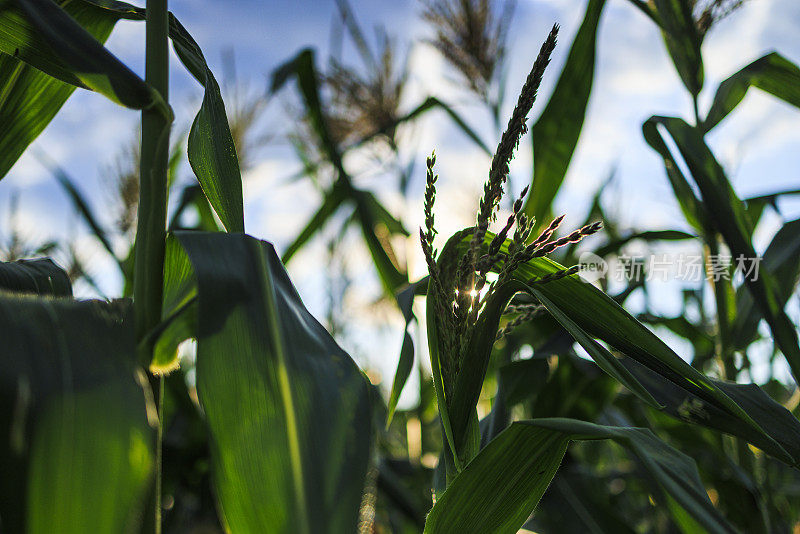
[[265, 366], [615, 245], [603, 318], [75, 407], [683, 41], [772, 73], [555, 134], [80, 203], [502, 485], [434, 103], [500, 488], [774, 419], [692, 207], [781, 259], [41, 276], [380, 248], [599, 316], [211, 152], [178, 311], [83, 62], [29, 98], [727, 215], [405, 301], [43, 35], [601, 356]]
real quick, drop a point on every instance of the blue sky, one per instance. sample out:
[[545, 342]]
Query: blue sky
[[758, 144]]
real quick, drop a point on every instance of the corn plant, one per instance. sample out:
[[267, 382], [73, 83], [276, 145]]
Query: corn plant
[[83, 424]]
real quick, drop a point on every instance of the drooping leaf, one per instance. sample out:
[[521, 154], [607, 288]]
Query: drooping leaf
[[211, 152], [683, 41], [41, 276], [693, 209], [29, 98], [601, 356], [727, 215], [265, 367], [555, 133], [772, 73], [775, 420], [77, 451], [405, 300], [781, 259], [43, 35], [78, 201], [500, 488], [431, 103], [615, 245]]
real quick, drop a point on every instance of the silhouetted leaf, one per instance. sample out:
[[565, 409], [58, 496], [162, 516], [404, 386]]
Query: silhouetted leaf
[[555, 133], [77, 452], [41, 276], [772, 73], [499, 489], [265, 367]]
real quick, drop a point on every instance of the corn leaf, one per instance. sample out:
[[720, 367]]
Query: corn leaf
[[211, 152], [601, 356], [775, 420], [555, 133], [772, 73], [265, 367], [500, 488], [683, 41], [405, 301], [727, 215], [615, 245], [781, 259], [43, 35], [41, 276], [77, 451], [29, 98], [692, 207]]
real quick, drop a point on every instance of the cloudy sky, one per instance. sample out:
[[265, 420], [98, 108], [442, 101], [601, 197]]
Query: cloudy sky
[[757, 144]]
